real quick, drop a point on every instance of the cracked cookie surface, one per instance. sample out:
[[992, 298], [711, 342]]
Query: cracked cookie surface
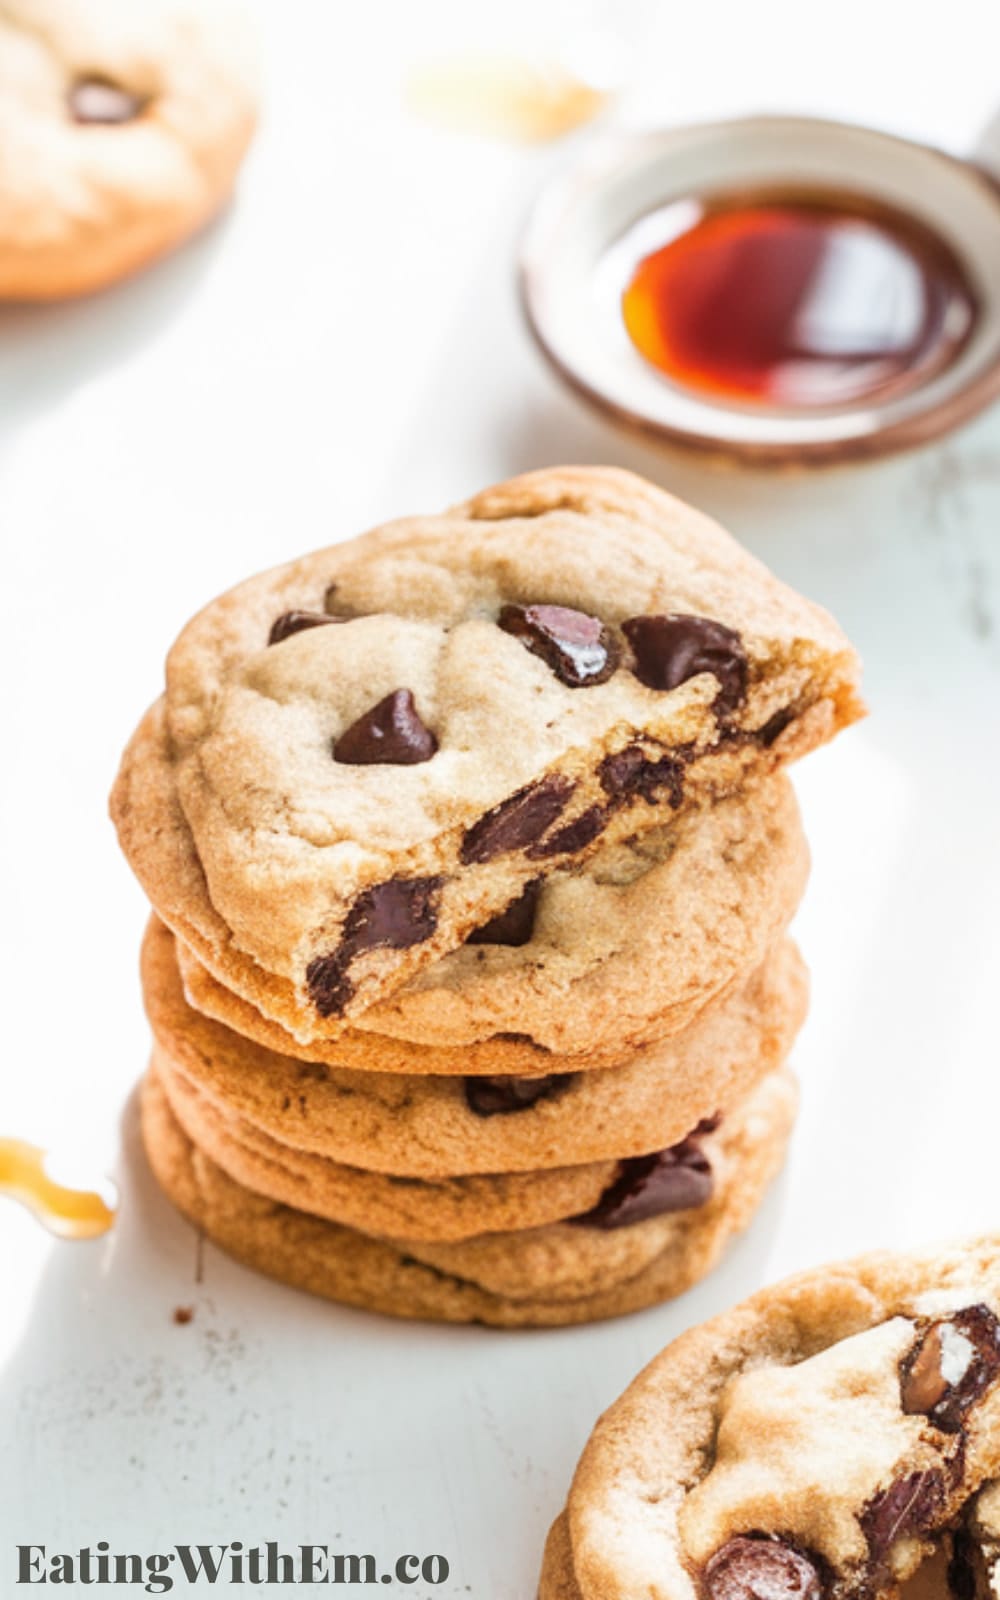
[[623, 952]]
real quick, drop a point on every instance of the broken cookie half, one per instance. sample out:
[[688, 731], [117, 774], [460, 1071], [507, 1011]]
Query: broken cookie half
[[377, 751], [836, 1437]]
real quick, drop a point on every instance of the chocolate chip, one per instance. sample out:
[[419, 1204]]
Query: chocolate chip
[[295, 622], [758, 1568], [579, 648], [951, 1365], [517, 821], [394, 915], [515, 924], [497, 1096], [573, 836], [774, 727], [390, 734], [98, 100], [964, 1561], [909, 1506], [677, 1179], [670, 649], [632, 772]]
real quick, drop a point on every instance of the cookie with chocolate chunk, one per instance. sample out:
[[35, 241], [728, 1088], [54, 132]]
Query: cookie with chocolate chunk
[[613, 955], [419, 1125], [823, 1441], [559, 1274], [123, 127], [450, 1208], [373, 751]]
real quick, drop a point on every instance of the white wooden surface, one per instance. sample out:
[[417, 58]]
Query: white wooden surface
[[346, 346]]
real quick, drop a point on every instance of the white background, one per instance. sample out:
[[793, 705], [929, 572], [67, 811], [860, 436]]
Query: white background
[[343, 347]]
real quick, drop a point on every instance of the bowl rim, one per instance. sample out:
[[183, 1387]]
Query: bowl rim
[[565, 191]]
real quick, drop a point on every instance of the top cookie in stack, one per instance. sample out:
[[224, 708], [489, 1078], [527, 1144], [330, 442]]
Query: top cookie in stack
[[365, 756]]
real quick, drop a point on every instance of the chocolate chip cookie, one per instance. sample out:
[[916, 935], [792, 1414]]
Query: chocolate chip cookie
[[452, 1207], [375, 751], [417, 1125], [617, 954], [827, 1438], [566, 1273], [122, 128]]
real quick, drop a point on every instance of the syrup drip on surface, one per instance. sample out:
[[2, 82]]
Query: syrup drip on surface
[[68, 1213], [510, 97], [796, 300]]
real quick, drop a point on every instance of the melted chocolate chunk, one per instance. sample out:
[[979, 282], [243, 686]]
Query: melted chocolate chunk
[[670, 649], [774, 727], [575, 835], [296, 622], [579, 648], [393, 915], [498, 1096], [329, 986], [632, 772], [677, 1179], [99, 100], [390, 734], [755, 1567], [952, 1364], [517, 822], [514, 925], [909, 1506]]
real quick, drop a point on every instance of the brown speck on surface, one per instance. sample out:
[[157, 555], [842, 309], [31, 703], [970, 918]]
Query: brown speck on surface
[[183, 1315]]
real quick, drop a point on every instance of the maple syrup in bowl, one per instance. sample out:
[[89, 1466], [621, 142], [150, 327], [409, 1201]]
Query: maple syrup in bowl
[[777, 290]]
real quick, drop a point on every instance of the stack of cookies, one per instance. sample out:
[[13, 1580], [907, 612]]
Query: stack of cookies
[[472, 859]]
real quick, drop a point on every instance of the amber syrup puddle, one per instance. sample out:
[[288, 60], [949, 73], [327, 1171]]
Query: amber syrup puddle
[[68, 1213], [795, 299]]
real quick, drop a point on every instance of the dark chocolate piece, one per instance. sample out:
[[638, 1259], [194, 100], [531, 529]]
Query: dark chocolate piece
[[951, 1365], [572, 836], [498, 1096], [329, 986], [755, 1567], [393, 915], [677, 1179], [518, 821], [579, 648], [98, 100], [390, 734], [965, 1562], [295, 622], [670, 649], [909, 1506], [632, 772], [515, 924], [774, 727]]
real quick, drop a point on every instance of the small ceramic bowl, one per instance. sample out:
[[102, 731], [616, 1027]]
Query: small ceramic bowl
[[573, 270]]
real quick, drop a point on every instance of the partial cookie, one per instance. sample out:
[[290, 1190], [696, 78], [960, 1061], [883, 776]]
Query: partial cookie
[[377, 748], [450, 1209], [122, 127], [820, 1440], [546, 1276], [611, 959], [431, 1127]]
